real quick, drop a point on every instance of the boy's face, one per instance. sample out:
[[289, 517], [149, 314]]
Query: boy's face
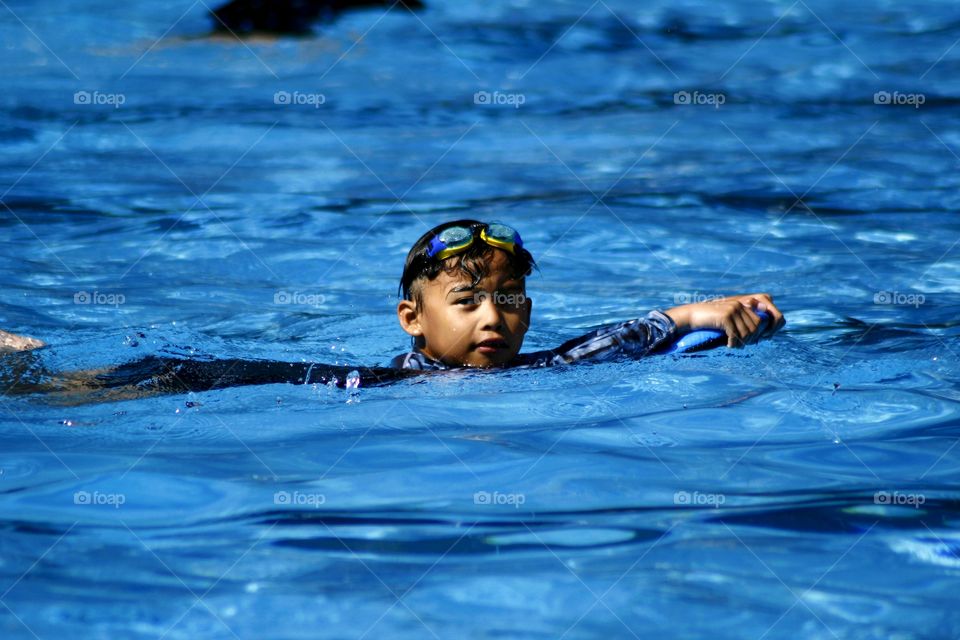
[[461, 325]]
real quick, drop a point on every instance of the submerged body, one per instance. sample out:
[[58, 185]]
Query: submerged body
[[290, 17], [25, 373]]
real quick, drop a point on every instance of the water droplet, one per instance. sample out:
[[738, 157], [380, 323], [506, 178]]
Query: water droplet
[[353, 379], [353, 384]]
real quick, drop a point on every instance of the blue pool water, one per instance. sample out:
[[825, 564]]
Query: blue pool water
[[806, 487]]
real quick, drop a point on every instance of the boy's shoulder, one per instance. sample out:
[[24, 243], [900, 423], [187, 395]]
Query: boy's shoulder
[[416, 360]]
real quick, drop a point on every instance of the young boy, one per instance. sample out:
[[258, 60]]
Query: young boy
[[465, 305]]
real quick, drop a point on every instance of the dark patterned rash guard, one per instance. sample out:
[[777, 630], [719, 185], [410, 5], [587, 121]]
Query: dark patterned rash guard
[[634, 338]]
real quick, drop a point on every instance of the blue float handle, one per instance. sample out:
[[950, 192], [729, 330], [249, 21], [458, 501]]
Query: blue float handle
[[702, 339]]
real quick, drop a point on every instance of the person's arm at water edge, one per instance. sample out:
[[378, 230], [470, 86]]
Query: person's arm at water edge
[[734, 315]]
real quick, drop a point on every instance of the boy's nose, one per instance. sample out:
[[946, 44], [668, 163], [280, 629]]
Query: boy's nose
[[492, 317]]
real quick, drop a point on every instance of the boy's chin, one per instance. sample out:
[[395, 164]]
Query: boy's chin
[[497, 360], [488, 361]]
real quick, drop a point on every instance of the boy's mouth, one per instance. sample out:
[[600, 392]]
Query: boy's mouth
[[492, 345]]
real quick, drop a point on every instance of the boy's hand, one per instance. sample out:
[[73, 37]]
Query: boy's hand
[[11, 342], [734, 315]]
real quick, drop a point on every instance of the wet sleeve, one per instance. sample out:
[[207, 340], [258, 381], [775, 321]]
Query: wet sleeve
[[636, 338]]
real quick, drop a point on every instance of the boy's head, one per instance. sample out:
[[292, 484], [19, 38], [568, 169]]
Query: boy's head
[[463, 293]]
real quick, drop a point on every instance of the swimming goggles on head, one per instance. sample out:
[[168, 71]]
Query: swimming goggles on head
[[454, 240]]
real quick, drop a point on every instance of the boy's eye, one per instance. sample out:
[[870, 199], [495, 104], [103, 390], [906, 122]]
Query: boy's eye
[[470, 300]]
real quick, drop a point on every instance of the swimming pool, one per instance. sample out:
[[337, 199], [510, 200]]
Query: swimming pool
[[199, 197]]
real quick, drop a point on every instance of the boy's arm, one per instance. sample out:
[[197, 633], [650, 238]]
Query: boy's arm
[[734, 315], [637, 337]]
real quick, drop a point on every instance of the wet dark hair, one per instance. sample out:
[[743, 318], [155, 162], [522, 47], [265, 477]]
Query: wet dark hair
[[472, 262]]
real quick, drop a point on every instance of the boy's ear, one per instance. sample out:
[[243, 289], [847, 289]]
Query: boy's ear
[[409, 318], [527, 308]]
